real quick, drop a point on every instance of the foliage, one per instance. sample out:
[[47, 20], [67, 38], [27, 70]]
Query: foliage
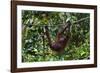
[[35, 46]]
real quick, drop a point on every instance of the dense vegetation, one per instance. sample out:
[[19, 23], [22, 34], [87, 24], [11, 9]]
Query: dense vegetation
[[35, 46]]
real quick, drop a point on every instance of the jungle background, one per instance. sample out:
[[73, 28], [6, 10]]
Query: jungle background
[[35, 46]]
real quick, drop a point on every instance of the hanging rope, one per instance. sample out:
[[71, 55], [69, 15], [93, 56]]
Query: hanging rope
[[78, 21], [74, 22]]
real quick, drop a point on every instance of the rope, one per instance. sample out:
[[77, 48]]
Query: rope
[[74, 22], [78, 21]]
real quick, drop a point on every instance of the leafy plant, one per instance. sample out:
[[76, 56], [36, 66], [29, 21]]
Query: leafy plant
[[35, 46]]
